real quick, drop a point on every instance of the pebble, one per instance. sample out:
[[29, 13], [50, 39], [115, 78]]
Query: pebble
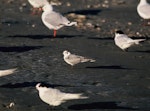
[[68, 4], [12, 104], [129, 23]]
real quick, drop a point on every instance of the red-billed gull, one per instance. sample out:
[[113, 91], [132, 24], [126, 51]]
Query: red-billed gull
[[54, 20], [124, 42], [73, 59], [55, 97], [143, 9]]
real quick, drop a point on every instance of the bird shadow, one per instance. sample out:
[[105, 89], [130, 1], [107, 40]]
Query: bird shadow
[[99, 105], [104, 38], [19, 48], [107, 67], [67, 36], [86, 12], [112, 38], [43, 36], [142, 37], [31, 36], [9, 22], [30, 84], [142, 51]]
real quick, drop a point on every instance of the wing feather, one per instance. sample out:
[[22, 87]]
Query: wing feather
[[55, 19]]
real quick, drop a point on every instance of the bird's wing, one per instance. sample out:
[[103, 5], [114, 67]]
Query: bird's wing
[[74, 58], [124, 39], [51, 96], [145, 9], [56, 19]]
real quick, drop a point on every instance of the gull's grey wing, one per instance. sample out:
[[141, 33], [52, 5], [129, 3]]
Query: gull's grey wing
[[75, 58], [56, 19], [145, 9], [51, 95], [124, 39]]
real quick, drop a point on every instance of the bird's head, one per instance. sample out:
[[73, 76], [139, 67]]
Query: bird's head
[[38, 86], [65, 53], [118, 32]]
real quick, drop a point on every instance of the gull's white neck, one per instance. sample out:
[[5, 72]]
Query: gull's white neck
[[142, 2]]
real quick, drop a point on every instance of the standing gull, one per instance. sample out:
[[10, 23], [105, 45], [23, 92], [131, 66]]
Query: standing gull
[[73, 59], [143, 9], [54, 20], [55, 97], [124, 42]]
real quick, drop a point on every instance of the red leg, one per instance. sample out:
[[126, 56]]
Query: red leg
[[149, 22], [54, 34], [35, 11], [40, 10], [146, 22]]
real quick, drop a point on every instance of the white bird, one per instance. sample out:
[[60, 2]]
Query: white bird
[[38, 4], [143, 9], [55, 97], [124, 42], [54, 20], [73, 59], [7, 72]]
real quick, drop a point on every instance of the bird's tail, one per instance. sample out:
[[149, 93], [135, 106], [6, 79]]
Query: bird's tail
[[74, 96], [7, 72], [138, 41], [56, 3], [87, 60], [92, 60], [71, 23]]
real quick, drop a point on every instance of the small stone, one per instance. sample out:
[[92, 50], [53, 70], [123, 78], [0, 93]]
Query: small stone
[[129, 23], [12, 104], [33, 25], [68, 4], [103, 21], [105, 5], [89, 25], [24, 4]]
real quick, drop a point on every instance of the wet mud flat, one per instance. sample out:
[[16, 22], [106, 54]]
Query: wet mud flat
[[116, 81]]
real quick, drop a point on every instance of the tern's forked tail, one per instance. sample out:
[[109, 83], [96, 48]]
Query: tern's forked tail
[[92, 60], [74, 96], [138, 41], [87, 60]]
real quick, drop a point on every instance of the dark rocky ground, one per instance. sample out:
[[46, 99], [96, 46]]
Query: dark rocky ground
[[116, 81]]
